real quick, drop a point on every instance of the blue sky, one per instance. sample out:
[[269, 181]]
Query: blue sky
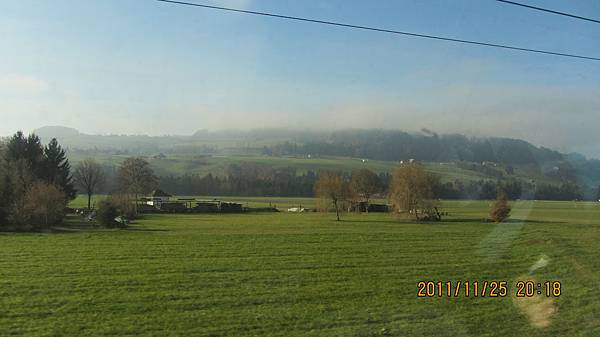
[[141, 66]]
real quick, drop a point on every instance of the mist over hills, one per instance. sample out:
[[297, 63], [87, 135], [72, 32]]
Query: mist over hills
[[371, 144], [367, 143]]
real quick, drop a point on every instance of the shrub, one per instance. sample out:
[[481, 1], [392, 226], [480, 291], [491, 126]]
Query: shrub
[[113, 207], [124, 205], [500, 209], [106, 214], [44, 205]]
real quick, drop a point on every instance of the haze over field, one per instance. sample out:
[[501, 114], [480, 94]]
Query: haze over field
[[144, 67]]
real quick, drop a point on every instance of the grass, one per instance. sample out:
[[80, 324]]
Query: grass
[[300, 275]]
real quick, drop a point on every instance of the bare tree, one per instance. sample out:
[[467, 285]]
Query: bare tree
[[332, 190], [90, 177], [136, 177], [500, 209], [364, 184], [411, 191]]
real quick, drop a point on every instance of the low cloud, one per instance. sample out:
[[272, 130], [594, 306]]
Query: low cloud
[[18, 83], [561, 118], [556, 116]]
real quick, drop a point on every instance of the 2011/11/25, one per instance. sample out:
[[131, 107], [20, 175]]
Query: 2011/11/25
[[486, 289]]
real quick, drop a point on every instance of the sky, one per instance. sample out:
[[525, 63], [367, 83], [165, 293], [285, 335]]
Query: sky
[[147, 67]]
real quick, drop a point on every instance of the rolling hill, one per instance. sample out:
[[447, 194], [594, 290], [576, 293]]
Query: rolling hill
[[453, 157]]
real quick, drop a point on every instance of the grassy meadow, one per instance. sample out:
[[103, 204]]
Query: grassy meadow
[[281, 274]]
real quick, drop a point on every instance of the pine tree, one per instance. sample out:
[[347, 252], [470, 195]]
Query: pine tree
[[56, 168], [29, 149]]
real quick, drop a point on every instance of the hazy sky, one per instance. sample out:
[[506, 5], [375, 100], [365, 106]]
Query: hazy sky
[[141, 66]]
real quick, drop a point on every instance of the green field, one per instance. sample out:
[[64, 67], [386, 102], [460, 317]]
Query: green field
[[285, 274]]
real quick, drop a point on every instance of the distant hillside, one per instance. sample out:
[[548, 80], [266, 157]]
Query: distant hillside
[[471, 154], [49, 132], [398, 145], [394, 145]]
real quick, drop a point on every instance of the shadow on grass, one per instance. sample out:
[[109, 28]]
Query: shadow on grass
[[74, 224], [137, 229], [447, 221], [66, 229], [391, 221], [484, 220]]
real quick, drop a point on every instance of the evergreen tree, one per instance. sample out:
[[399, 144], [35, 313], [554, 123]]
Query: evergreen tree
[[34, 181], [56, 168], [28, 148]]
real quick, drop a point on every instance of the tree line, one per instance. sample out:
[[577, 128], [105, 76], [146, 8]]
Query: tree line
[[411, 191], [393, 145], [248, 179]]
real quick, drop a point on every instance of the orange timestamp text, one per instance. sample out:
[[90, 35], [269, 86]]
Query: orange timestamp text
[[487, 289]]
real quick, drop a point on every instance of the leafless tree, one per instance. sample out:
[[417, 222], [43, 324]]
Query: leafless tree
[[331, 189], [500, 209], [90, 177], [364, 184], [411, 191], [136, 177]]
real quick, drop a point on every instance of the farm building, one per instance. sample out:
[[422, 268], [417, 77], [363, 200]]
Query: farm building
[[157, 198], [206, 207], [160, 201], [173, 207], [363, 206], [231, 207]]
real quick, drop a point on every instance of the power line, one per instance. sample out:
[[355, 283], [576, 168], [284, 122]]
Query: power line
[[381, 30], [549, 11]]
